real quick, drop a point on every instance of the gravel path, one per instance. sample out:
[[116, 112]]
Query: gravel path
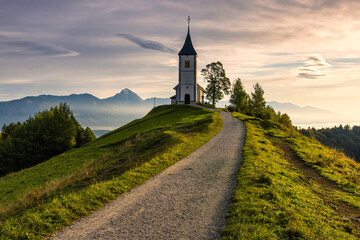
[[188, 200]]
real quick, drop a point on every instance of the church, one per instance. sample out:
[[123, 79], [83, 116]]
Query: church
[[188, 91]]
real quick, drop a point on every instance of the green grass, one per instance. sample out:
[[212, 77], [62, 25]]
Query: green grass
[[37, 201], [330, 163], [273, 199], [207, 105]]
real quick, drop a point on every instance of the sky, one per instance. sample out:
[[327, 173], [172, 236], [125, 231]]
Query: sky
[[306, 52]]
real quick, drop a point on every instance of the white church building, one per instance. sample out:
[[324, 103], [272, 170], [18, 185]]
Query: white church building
[[188, 91]]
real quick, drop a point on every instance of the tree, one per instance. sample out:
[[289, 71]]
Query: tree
[[343, 138], [239, 98], [269, 114], [89, 136], [285, 120], [80, 132], [39, 138], [83, 136], [52, 130], [257, 100], [218, 83]]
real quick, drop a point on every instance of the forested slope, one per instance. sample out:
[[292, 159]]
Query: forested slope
[[345, 139]]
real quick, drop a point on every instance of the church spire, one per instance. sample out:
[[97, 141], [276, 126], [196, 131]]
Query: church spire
[[188, 48]]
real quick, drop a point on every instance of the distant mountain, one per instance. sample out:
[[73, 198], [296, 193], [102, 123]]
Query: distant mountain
[[303, 115], [104, 114], [126, 96], [289, 107]]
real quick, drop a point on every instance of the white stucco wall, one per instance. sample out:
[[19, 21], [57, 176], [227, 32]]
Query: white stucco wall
[[187, 89], [187, 78], [184, 58], [199, 95]]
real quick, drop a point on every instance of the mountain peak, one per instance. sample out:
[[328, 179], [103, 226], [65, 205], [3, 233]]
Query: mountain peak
[[125, 96], [127, 91]]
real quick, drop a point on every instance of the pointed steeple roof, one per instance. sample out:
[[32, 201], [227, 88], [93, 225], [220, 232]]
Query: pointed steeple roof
[[188, 48]]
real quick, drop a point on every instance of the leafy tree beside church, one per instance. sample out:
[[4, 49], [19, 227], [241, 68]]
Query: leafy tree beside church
[[218, 83]]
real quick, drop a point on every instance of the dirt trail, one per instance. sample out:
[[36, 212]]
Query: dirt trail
[[344, 210], [188, 200]]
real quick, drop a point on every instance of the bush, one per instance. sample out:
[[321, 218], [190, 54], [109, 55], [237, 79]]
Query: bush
[[285, 120], [231, 108]]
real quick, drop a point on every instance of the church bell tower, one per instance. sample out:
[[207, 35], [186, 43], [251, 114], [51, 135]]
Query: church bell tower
[[187, 88]]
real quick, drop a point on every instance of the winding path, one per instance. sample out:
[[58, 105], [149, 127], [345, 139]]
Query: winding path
[[188, 200]]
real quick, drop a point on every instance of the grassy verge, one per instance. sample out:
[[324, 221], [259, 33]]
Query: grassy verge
[[207, 105], [40, 200], [273, 199], [330, 163]]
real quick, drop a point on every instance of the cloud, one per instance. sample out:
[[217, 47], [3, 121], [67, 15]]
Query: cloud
[[15, 82], [347, 60], [148, 44], [278, 53], [283, 65], [28, 48], [314, 67]]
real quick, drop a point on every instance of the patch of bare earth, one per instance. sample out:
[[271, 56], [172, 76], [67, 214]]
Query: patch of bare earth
[[344, 210]]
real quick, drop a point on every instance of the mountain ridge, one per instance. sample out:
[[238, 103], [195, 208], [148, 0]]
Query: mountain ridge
[[89, 110], [292, 107], [125, 106], [305, 115]]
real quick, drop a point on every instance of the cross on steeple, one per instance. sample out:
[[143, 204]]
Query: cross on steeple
[[188, 48]]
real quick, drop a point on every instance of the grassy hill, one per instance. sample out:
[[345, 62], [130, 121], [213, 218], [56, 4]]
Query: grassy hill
[[289, 185], [39, 200], [292, 187]]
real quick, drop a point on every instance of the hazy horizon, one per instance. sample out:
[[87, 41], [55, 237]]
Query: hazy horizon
[[299, 119], [296, 113]]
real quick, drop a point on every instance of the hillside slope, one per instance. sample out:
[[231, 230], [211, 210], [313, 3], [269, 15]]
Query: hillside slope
[[289, 185], [292, 187], [53, 194]]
